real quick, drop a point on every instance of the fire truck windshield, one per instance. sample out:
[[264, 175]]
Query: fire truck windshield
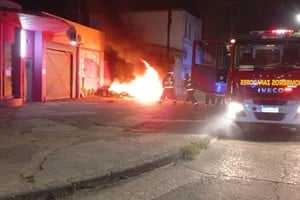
[[267, 56]]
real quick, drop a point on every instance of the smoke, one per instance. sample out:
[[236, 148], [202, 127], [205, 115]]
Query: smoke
[[124, 47], [218, 126]]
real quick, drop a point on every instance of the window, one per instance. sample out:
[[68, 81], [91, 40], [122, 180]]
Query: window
[[268, 56], [190, 31], [185, 29]]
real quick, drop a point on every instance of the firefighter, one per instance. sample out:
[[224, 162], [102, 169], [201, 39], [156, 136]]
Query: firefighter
[[210, 101], [189, 90], [168, 88]]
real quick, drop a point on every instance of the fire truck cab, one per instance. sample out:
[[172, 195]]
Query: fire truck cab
[[264, 79], [210, 64]]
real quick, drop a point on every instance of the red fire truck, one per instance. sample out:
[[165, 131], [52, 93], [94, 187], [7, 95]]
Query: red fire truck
[[264, 79], [259, 75]]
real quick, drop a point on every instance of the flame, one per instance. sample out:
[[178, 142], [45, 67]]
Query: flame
[[146, 88]]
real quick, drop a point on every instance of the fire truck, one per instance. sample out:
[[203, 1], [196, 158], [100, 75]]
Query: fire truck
[[263, 82], [210, 64], [258, 74]]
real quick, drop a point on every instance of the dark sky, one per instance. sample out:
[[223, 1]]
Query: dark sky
[[221, 18]]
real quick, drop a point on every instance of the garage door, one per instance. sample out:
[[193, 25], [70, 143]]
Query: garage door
[[58, 74]]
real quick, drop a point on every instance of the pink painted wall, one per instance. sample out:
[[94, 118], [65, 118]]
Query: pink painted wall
[[38, 89]]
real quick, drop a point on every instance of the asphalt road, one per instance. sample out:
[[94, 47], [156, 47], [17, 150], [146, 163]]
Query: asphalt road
[[46, 149], [261, 165], [229, 169]]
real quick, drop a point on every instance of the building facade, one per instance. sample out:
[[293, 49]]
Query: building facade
[[44, 57], [172, 32]]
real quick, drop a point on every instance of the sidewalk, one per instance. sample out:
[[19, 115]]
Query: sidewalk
[[54, 148]]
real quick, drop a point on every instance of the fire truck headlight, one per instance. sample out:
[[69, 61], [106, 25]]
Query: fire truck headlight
[[298, 110], [233, 109]]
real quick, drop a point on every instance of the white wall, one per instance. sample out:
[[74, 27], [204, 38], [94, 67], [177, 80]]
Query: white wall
[[153, 29], [153, 26]]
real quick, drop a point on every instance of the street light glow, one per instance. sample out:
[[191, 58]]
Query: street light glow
[[298, 18]]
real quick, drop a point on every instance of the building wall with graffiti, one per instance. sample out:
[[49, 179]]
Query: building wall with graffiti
[[89, 57], [89, 72]]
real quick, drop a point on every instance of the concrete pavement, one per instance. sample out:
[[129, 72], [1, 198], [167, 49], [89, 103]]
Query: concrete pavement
[[54, 148]]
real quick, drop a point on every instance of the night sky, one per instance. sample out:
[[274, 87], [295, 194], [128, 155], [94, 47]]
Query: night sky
[[221, 18]]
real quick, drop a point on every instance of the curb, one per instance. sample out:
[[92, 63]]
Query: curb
[[66, 189]]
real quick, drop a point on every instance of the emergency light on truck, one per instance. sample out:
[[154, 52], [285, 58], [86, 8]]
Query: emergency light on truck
[[275, 32]]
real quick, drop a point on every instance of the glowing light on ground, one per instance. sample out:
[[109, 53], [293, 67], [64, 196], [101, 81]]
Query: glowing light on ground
[[145, 88]]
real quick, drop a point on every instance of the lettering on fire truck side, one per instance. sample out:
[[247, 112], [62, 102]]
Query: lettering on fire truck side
[[270, 82], [270, 90]]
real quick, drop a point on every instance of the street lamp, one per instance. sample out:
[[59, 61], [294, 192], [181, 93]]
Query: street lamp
[[298, 18]]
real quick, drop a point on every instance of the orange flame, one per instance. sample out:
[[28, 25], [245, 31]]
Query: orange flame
[[146, 88]]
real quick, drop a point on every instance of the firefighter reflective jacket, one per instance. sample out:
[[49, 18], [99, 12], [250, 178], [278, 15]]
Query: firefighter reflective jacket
[[168, 81], [188, 83]]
